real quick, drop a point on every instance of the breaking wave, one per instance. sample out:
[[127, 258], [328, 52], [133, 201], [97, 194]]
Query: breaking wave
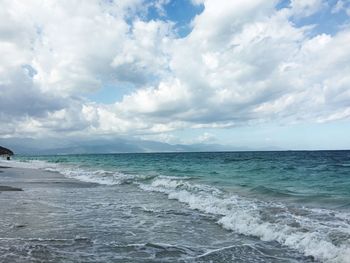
[[320, 233], [84, 174]]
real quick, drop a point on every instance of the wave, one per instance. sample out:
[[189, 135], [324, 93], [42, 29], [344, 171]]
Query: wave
[[319, 233], [32, 164], [84, 174], [100, 176]]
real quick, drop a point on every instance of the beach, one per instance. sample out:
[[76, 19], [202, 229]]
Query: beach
[[56, 219], [175, 131], [122, 208]]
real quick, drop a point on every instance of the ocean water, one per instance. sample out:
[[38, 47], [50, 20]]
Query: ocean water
[[207, 207]]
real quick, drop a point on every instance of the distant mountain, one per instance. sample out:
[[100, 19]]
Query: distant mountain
[[52, 147]]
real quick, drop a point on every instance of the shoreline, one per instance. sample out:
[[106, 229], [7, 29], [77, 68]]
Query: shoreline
[[6, 188], [15, 179], [54, 207]]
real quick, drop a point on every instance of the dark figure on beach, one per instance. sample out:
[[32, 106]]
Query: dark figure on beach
[[8, 158]]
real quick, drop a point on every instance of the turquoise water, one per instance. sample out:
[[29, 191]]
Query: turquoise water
[[299, 200], [317, 177]]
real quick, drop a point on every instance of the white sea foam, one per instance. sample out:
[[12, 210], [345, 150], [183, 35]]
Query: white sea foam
[[75, 172], [318, 233], [32, 164]]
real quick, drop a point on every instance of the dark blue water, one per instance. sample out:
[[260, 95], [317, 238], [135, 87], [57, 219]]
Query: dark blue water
[[300, 200]]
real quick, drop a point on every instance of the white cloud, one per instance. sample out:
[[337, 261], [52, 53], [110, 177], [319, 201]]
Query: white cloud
[[266, 68], [244, 62], [54, 52], [305, 7], [76, 47], [163, 100], [206, 138], [144, 55]]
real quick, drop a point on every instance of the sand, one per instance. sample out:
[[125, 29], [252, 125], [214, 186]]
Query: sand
[[6, 188]]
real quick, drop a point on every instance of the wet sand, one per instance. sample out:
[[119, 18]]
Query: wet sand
[[35, 215], [4, 188], [20, 179]]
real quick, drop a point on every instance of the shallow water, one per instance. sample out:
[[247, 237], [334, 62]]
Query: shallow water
[[185, 207]]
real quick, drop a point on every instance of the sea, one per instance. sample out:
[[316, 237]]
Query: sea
[[283, 206]]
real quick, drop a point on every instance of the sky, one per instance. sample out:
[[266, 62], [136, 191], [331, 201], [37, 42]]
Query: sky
[[246, 73]]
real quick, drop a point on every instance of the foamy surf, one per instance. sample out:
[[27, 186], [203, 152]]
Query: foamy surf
[[98, 176], [320, 233]]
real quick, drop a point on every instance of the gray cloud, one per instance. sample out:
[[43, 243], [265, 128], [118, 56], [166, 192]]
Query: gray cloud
[[244, 62], [20, 97]]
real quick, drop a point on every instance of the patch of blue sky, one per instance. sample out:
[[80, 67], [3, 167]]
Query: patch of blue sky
[[109, 94], [327, 20], [181, 12], [114, 91], [302, 136], [282, 4]]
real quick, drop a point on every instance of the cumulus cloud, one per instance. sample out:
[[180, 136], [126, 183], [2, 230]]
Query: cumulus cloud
[[143, 57], [53, 53], [231, 70], [244, 62]]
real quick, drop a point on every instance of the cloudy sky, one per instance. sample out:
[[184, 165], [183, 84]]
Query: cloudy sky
[[252, 73]]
